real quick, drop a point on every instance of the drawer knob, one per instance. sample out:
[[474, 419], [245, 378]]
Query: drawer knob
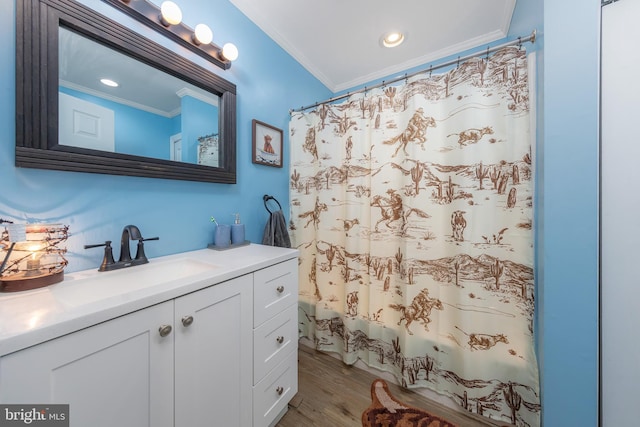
[[164, 330], [279, 390], [280, 339], [280, 289], [187, 321]]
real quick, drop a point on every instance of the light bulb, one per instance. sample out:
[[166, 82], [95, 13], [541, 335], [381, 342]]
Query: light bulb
[[171, 14], [230, 51], [203, 34], [109, 82], [393, 39]]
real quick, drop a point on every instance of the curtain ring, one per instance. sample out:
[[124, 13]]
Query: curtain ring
[[430, 70], [458, 64]]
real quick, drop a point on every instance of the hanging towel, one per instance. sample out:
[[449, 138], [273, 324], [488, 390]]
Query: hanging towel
[[275, 231]]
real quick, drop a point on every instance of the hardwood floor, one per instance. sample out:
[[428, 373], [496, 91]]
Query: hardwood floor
[[333, 394]]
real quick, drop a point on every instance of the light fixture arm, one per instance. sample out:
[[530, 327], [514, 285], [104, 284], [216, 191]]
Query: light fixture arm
[[148, 13]]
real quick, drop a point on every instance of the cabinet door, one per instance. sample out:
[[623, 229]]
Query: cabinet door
[[117, 373], [213, 355]]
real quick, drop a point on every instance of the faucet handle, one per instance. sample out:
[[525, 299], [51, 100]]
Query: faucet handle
[[107, 260], [141, 258], [106, 243]]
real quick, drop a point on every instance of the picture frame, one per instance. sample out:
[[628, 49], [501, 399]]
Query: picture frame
[[267, 144]]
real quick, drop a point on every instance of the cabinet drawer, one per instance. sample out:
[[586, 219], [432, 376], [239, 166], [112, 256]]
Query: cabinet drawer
[[273, 341], [274, 289], [273, 393]]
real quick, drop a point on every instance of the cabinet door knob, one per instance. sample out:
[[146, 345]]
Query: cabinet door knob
[[165, 330], [280, 339], [280, 289], [187, 321], [279, 390]]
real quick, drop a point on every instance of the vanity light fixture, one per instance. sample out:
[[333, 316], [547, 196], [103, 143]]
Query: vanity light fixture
[[170, 14], [32, 257], [167, 20], [202, 34], [392, 39]]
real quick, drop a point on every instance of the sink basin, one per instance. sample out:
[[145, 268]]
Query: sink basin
[[78, 291]]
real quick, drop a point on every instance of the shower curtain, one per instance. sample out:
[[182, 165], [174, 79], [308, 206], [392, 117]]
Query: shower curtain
[[412, 208]]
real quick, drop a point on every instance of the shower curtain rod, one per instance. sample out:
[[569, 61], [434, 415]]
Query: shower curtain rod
[[531, 38]]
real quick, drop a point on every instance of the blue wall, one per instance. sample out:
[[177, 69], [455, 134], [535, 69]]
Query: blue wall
[[269, 83], [196, 123], [569, 212]]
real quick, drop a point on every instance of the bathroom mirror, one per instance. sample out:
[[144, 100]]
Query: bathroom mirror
[[166, 118]]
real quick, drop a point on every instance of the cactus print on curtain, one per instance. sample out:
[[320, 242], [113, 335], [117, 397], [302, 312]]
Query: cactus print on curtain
[[412, 208]]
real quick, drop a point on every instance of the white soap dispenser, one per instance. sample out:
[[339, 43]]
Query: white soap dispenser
[[237, 231]]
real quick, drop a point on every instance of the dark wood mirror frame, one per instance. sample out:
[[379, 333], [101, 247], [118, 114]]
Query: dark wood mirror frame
[[37, 95]]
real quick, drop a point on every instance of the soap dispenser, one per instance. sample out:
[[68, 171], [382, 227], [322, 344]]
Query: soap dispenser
[[237, 231]]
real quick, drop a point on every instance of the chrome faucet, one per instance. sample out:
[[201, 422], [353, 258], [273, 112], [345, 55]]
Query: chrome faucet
[[129, 232]]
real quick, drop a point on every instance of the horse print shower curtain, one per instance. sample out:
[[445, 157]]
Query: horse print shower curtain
[[412, 208]]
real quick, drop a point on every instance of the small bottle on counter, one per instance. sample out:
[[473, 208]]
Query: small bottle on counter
[[237, 231]]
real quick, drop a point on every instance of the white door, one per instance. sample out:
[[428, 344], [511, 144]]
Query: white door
[[175, 147], [117, 373], [213, 355], [620, 207], [84, 124]]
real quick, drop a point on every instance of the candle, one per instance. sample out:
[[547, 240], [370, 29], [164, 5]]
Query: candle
[[33, 264]]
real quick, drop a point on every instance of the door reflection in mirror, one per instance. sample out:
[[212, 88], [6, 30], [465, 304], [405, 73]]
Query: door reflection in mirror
[[143, 111]]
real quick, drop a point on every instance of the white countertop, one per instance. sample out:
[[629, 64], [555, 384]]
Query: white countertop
[[86, 298]]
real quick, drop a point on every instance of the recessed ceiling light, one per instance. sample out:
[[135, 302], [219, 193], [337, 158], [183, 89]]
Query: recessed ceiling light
[[392, 39], [109, 82]]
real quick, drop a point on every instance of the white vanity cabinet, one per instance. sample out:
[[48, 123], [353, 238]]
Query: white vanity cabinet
[[216, 355], [213, 355], [124, 372], [275, 341], [117, 373]]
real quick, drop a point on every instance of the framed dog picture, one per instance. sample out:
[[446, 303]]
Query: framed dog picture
[[267, 144]]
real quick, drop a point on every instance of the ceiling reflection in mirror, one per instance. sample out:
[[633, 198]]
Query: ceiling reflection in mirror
[[138, 110]]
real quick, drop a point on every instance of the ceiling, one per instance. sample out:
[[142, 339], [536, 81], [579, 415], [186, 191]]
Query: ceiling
[[339, 41]]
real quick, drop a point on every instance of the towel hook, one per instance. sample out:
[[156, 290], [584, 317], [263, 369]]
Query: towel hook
[[266, 198]]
